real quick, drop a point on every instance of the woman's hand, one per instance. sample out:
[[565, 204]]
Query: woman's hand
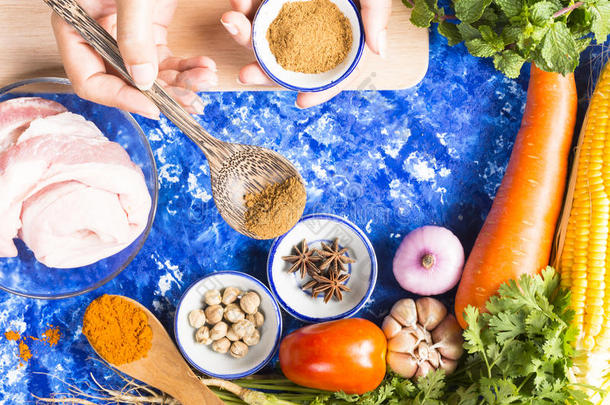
[[375, 16], [140, 27]]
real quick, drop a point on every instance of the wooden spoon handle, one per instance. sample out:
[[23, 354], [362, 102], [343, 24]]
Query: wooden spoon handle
[[107, 47]]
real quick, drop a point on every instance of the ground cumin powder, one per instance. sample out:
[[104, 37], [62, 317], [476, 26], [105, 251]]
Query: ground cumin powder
[[117, 329], [276, 209], [310, 36]]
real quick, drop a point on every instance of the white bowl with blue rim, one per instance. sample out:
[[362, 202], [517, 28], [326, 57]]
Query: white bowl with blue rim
[[306, 82], [287, 287], [218, 365]]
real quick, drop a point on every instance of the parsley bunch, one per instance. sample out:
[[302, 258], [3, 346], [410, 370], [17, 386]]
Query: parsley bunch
[[550, 33]]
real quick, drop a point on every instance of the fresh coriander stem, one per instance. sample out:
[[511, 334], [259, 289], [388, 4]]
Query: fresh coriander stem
[[568, 9]]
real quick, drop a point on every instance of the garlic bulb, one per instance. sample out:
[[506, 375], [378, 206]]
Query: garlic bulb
[[422, 337]]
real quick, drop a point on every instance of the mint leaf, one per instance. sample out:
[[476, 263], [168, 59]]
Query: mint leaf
[[600, 25], [468, 32], [541, 12], [511, 8], [559, 49], [478, 47], [422, 15], [451, 32], [470, 11]]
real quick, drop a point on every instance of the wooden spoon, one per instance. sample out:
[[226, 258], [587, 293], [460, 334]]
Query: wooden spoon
[[235, 169], [165, 369]]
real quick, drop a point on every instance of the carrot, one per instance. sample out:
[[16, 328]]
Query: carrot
[[517, 235]]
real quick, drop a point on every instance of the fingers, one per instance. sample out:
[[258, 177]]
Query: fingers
[[238, 26], [175, 63], [375, 17], [187, 98], [307, 100], [86, 71], [252, 74], [246, 7], [197, 79], [136, 39]]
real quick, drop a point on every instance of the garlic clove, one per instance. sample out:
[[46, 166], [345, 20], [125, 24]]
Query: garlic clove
[[430, 312], [434, 358], [423, 369], [423, 351], [448, 338], [448, 365], [390, 327], [402, 364], [403, 342], [405, 312]]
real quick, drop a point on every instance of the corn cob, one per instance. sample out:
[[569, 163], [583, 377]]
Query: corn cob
[[584, 261]]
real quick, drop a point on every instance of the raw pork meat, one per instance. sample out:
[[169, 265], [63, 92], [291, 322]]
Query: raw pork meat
[[70, 194]]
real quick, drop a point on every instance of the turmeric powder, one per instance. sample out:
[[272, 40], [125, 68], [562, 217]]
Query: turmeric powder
[[51, 337], [117, 329]]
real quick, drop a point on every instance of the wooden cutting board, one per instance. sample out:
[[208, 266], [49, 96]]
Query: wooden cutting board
[[28, 47]]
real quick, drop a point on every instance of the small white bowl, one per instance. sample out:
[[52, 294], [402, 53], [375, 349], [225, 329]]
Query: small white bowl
[[266, 14], [218, 365], [286, 287]]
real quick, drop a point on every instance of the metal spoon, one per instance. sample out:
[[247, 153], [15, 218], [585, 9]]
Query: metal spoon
[[235, 169]]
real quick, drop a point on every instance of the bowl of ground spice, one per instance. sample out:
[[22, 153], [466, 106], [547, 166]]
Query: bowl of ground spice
[[308, 45]]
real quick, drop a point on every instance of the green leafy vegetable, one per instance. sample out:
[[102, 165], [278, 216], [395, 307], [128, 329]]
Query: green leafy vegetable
[[519, 352], [549, 33]]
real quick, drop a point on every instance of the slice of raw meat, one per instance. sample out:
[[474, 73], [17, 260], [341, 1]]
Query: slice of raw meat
[[61, 124], [73, 197], [17, 113], [59, 227]]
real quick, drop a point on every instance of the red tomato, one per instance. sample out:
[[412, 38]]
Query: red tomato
[[345, 355]]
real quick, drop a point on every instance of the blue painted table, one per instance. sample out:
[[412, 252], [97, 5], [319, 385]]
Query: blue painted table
[[388, 161]]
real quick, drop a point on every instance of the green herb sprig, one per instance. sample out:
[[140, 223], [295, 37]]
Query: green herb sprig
[[550, 33]]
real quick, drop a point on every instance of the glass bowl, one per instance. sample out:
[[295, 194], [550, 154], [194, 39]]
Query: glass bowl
[[24, 275]]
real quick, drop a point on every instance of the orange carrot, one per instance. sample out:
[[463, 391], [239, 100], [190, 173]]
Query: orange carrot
[[517, 235]]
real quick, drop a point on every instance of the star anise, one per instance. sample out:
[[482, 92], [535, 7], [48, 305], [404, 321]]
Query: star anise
[[334, 258], [331, 285], [304, 260]]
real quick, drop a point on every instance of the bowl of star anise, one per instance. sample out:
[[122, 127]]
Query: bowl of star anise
[[323, 269]]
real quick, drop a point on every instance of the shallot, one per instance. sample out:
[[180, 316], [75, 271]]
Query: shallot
[[429, 261]]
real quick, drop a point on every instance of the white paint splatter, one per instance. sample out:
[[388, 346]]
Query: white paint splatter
[[170, 173], [195, 189], [368, 226]]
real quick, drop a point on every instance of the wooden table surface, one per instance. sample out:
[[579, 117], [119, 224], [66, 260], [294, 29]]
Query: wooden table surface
[[29, 50]]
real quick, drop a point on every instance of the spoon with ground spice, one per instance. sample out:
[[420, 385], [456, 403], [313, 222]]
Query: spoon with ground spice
[[258, 192], [130, 338]]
